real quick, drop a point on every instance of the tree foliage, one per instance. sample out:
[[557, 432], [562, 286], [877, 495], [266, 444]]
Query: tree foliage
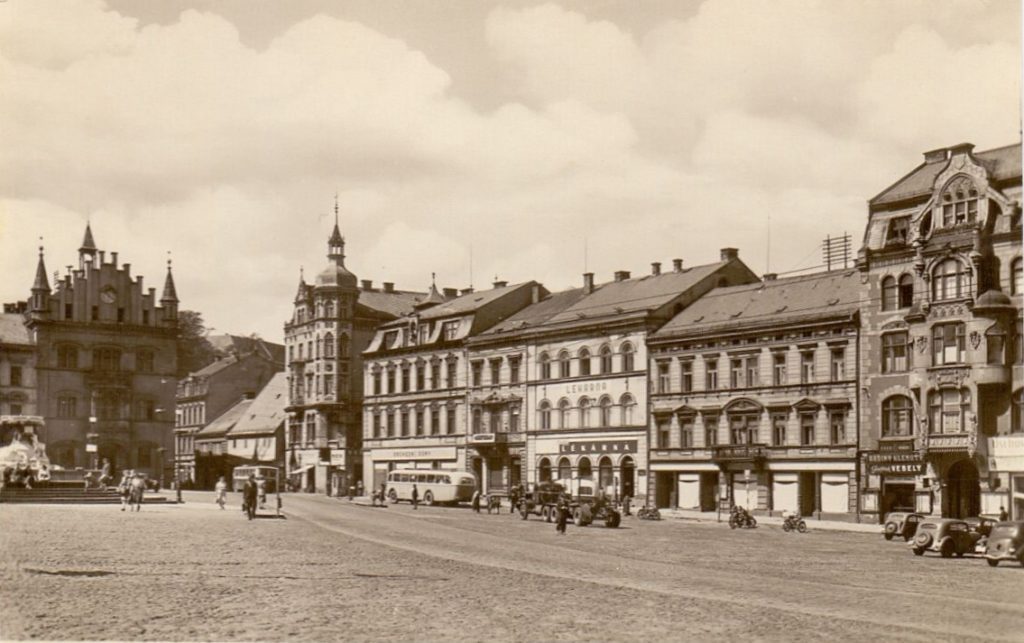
[[194, 350]]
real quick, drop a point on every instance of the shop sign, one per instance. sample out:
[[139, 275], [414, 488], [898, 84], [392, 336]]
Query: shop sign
[[586, 387], [891, 463], [598, 446], [950, 442], [416, 453], [482, 438], [897, 446], [91, 448], [337, 457]]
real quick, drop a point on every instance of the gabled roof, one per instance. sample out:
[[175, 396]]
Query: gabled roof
[[395, 304], [536, 314], [227, 344], [1002, 163], [641, 294], [220, 426], [468, 303], [216, 366], [266, 413], [772, 303], [13, 330]]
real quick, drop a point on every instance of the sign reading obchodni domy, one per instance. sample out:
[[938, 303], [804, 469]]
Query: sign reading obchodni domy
[[599, 446], [895, 457]]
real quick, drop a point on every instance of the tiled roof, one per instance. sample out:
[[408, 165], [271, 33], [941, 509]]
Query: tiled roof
[[468, 303], [266, 412], [1002, 163], [538, 313], [216, 367], [770, 303], [12, 329], [396, 303], [242, 344], [641, 294], [220, 426]]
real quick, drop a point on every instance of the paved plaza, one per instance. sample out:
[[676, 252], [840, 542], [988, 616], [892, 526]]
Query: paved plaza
[[334, 570]]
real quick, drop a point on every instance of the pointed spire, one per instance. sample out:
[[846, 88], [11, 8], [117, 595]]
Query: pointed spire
[[336, 244], [170, 293], [432, 298], [300, 294], [41, 284], [88, 245]]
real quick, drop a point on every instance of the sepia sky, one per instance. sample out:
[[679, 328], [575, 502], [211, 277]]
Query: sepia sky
[[540, 138]]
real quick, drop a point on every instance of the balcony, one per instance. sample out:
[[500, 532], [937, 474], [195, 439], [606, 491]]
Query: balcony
[[108, 379], [494, 438], [740, 453]]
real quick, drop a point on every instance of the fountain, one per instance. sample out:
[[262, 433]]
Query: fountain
[[23, 460]]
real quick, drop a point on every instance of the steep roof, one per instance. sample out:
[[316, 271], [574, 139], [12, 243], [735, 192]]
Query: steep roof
[[87, 240], [266, 412], [1002, 163], [223, 423], [771, 303], [241, 344], [395, 304], [13, 330], [536, 314], [468, 303], [640, 294]]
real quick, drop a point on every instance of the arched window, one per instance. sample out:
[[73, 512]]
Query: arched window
[[544, 470], [1016, 277], [563, 414], [545, 366], [959, 203], [627, 357], [606, 360], [564, 469], [564, 369], [606, 411], [950, 280], [584, 469], [605, 473], [889, 293], [584, 356], [628, 407], [329, 345], [584, 412], [906, 291], [947, 409], [897, 416], [67, 356], [106, 359], [545, 415]]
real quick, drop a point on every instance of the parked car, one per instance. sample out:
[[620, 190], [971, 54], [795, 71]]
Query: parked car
[[948, 536], [1006, 542], [981, 524], [901, 523]]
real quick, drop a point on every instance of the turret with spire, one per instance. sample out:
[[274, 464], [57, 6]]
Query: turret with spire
[[169, 299], [336, 275], [41, 287], [336, 244], [432, 298], [88, 248]]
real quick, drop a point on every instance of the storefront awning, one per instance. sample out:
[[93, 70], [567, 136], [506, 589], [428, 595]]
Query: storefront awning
[[301, 470]]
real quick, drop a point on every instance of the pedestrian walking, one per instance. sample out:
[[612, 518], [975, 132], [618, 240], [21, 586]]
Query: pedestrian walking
[[249, 496], [222, 492], [125, 488], [563, 516], [105, 477], [625, 506], [513, 499], [415, 497], [359, 489], [476, 501], [383, 493], [1003, 516]]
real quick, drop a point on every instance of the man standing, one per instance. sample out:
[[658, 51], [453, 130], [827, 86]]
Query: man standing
[[476, 501], [415, 497], [563, 515], [1003, 516], [249, 496]]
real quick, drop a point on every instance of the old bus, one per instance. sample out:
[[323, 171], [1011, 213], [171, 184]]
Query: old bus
[[434, 485]]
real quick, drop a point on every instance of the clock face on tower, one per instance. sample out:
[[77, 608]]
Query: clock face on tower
[[109, 295]]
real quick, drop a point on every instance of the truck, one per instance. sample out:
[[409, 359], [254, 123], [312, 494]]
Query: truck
[[584, 508]]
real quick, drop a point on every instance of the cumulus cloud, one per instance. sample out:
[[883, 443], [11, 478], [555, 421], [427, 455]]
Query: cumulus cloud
[[641, 145]]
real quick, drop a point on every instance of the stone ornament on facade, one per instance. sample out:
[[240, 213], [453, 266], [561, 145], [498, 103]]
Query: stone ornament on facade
[[975, 339], [922, 344]]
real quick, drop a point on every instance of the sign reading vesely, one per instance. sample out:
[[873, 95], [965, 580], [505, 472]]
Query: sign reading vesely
[[599, 446], [894, 463]]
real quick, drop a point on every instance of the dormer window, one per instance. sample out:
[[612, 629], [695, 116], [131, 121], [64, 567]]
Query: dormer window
[[897, 231], [959, 203], [424, 330]]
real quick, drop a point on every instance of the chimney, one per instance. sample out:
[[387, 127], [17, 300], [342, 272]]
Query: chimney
[[366, 284], [935, 156], [113, 258], [677, 265], [127, 267], [728, 254], [500, 284], [771, 276], [588, 282], [621, 275], [450, 293], [103, 257], [656, 268], [535, 293], [962, 148], [389, 286], [467, 291]]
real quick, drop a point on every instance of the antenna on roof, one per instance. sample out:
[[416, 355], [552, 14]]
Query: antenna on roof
[[471, 265], [768, 249], [585, 257]]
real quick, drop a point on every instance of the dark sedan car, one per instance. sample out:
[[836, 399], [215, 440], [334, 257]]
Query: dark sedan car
[[1006, 543], [902, 524]]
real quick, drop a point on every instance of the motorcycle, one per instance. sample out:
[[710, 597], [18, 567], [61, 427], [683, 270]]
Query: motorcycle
[[740, 517], [794, 522], [648, 513]]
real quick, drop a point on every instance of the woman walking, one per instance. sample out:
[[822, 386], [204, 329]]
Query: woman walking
[[222, 492]]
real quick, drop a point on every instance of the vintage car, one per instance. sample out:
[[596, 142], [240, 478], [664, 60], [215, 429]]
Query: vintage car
[[1006, 542], [981, 524], [901, 523], [948, 536]]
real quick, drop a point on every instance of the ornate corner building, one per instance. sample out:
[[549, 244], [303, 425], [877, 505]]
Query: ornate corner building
[[941, 346], [106, 354]]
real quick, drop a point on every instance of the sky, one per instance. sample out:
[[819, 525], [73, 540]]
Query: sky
[[471, 139]]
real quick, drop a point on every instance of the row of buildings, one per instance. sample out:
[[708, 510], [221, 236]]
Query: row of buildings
[[892, 384]]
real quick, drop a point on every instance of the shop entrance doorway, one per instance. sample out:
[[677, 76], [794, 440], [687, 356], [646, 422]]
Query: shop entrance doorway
[[963, 491]]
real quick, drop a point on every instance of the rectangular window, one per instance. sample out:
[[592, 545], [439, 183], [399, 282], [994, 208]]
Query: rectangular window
[[686, 423], [751, 373], [450, 330], [435, 421], [419, 422], [95, 313], [687, 379], [376, 425], [147, 410], [711, 374], [453, 367], [779, 369], [664, 380], [68, 311], [779, 429], [67, 357], [710, 430], [513, 370], [837, 426], [391, 380], [405, 379], [948, 344], [495, 421], [806, 429], [329, 384], [435, 375], [391, 424], [495, 372], [376, 383], [838, 363], [66, 407], [450, 421], [895, 353], [405, 423], [477, 370], [664, 429], [421, 376], [15, 375], [513, 419], [736, 373], [807, 367]]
